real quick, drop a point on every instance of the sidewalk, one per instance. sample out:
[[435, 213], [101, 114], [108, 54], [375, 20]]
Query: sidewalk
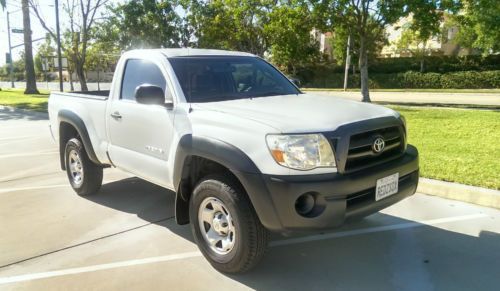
[[481, 99]]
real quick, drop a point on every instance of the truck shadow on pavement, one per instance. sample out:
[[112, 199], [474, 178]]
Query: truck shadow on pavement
[[148, 201], [420, 257]]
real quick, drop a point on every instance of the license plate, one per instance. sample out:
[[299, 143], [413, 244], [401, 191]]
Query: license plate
[[387, 186]]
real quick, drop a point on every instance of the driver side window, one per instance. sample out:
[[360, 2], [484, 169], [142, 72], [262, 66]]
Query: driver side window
[[140, 72]]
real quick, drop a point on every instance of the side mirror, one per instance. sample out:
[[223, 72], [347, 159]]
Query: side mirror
[[149, 94], [296, 82]]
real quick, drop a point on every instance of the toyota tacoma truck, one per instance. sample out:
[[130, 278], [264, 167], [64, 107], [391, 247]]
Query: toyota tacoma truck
[[245, 151]]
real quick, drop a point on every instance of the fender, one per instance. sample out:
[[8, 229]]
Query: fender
[[73, 119], [216, 150], [233, 159]]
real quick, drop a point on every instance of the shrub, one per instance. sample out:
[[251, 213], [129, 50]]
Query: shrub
[[413, 80], [436, 64], [459, 72]]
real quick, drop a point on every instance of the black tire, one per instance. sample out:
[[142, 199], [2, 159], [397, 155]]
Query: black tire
[[251, 237], [91, 177]]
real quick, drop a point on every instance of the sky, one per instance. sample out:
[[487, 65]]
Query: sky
[[16, 21]]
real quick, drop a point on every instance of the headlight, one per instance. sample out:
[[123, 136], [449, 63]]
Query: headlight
[[301, 151]]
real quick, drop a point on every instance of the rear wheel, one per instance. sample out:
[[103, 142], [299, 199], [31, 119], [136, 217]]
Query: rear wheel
[[225, 225], [84, 176]]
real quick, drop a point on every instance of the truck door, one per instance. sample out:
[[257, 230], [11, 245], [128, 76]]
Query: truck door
[[140, 135]]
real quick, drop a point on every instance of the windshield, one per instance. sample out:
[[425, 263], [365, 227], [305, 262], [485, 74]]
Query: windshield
[[220, 78]]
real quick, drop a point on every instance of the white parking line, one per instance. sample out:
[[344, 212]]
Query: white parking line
[[28, 154], [29, 277], [6, 190], [187, 255], [32, 188], [21, 137]]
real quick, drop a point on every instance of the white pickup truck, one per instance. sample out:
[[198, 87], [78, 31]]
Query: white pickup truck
[[245, 151]]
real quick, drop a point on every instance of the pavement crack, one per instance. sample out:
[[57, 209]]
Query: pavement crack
[[87, 242]]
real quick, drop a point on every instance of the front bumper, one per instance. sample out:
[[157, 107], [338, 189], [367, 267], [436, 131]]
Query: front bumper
[[343, 197]]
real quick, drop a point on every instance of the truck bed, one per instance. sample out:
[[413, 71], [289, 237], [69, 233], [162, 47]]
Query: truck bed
[[90, 107], [103, 94]]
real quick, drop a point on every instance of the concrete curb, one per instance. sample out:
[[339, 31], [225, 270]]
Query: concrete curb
[[455, 191]]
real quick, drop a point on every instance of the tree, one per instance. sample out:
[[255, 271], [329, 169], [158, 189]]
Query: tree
[[67, 41], [28, 50], [365, 19], [230, 24], [289, 29], [45, 50], [339, 43], [82, 16], [415, 38], [18, 69], [146, 24], [102, 52], [478, 25], [424, 25]]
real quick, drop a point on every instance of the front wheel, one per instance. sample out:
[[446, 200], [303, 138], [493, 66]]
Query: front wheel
[[225, 225], [84, 176]]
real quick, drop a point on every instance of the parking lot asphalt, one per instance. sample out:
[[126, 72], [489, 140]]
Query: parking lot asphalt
[[125, 237]]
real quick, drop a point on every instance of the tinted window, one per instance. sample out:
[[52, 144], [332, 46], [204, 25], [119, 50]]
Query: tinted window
[[218, 78], [140, 72]]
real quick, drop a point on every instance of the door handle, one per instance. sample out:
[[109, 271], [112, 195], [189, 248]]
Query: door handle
[[116, 115]]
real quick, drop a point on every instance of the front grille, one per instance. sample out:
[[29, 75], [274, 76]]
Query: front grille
[[361, 155]]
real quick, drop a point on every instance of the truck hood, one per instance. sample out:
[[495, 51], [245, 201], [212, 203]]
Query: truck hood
[[299, 113]]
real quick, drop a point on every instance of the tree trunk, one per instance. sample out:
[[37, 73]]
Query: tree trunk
[[422, 58], [363, 69], [80, 72], [28, 52], [70, 77]]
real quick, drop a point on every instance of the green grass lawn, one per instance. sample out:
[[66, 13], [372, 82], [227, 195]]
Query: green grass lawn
[[16, 98], [457, 145], [492, 91]]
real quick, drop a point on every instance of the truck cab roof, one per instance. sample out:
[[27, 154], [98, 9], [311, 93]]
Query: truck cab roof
[[184, 52]]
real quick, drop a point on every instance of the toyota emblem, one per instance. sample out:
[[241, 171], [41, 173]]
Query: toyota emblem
[[378, 145]]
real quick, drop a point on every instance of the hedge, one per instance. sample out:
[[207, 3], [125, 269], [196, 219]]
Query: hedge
[[436, 64], [410, 80], [433, 64]]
